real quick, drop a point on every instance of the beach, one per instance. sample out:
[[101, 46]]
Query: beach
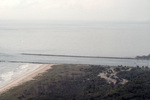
[[27, 77]]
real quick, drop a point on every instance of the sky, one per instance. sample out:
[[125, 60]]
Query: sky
[[87, 10], [129, 39]]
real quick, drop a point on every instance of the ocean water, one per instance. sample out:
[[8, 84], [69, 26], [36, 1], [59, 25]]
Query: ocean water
[[75, 38], [11, 71], [69, 38], [15, 66]]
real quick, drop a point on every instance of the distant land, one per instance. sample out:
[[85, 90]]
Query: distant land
[[143, 57], [137, 57]]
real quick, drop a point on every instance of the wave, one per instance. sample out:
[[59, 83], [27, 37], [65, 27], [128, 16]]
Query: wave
[[19, 71]]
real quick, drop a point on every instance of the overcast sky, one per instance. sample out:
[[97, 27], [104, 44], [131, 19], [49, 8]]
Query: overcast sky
[[90, 10], [100, 39]]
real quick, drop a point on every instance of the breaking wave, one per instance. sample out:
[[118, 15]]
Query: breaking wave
[[18, 71]]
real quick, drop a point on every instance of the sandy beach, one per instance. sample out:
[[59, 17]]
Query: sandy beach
[[29, 76]]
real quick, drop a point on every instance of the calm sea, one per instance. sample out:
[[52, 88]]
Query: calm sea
[[69, 38]]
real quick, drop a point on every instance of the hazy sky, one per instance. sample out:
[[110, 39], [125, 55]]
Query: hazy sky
[[99, 10], [86, 39]]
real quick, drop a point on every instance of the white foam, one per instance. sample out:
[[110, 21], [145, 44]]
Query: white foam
[[7, 76], [19, 71]]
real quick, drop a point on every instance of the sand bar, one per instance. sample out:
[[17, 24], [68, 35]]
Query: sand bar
[[29, 76]]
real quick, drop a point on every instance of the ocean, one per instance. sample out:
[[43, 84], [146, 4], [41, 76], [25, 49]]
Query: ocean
[[69, 38]]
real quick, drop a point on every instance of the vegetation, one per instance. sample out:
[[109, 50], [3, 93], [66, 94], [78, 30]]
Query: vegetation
[[143, 57], [138, 87], [81, 82]]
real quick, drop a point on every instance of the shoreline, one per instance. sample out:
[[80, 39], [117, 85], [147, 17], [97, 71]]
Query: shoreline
[[27, 77]]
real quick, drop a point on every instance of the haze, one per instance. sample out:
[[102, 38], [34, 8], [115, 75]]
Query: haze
[[99, 10], [78, 27]]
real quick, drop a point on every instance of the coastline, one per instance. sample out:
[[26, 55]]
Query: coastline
[[27, 77]]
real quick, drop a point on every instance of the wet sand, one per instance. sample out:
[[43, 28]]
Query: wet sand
[[27, 77]]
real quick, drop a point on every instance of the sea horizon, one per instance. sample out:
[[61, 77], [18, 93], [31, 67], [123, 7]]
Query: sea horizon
[[87, 38], [96, 43]]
